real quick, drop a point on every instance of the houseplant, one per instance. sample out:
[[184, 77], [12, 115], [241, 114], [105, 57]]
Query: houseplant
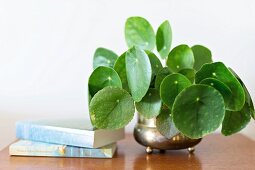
[[190, 96]]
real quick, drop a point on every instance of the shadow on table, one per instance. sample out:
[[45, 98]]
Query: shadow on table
[[167, 160]]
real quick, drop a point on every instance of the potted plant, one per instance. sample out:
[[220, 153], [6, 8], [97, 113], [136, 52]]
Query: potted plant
[[179, 103]]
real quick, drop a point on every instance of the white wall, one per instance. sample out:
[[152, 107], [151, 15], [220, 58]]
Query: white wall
[[46, 47]]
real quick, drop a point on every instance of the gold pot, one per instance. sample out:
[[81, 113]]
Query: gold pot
[[146, 134]]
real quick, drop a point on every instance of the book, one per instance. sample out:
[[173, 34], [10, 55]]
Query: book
[[72, 132], [32, 148]]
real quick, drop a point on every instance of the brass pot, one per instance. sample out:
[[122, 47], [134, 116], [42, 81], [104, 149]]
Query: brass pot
[[146, 134]]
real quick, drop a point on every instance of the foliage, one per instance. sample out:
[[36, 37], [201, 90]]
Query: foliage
[[191, 94]]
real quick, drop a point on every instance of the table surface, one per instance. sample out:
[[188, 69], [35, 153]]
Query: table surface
[[214, 152]]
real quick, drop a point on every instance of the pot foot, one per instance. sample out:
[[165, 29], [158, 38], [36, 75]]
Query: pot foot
[[148, 150], [162, 151], [191, 150]]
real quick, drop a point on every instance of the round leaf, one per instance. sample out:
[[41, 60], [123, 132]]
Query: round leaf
[[235, 121], [160, 76], [248, 98], [198, 110], [111, 108], [139, 72], [165, 124], [189, 73], [164, 39], [104, 57], [156, 65], [202, 55], [221, 87], [102, 77], [249, 102], [219, 71], [150, 105], [139, 32], [171, 86], [120, 68], [179, 58], [89, 96]]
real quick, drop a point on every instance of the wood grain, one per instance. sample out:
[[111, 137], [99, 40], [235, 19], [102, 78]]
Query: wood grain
[[214, 152]]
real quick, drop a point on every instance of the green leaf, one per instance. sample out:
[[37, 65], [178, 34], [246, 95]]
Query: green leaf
[[89, 99], [189, 73], [104, 57], [156, 65], [165, 124], [249, 102], [150, 105], [221, 87], [152, 85], [164, 39], [198, 110], [139, 32], [160, 76], [235, 121], [120, 68], [111, 108], [179, 58], [248, 98], [219, 71], [171, 86], [89, 96], [139, 72], [202, 55], [102, 77]]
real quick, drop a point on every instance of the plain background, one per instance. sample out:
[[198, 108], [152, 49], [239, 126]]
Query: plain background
[[46, 48]]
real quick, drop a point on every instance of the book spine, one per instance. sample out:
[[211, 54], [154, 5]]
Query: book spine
[[53, 135], [61, 151]]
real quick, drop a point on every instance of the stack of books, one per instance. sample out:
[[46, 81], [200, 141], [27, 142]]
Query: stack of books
[[64, 138]]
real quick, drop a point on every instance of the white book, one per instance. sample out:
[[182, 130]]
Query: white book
[[32, 148]]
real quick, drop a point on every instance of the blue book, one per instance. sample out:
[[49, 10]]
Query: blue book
[[72, 132], [31, 148]]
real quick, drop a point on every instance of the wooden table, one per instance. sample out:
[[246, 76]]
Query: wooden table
[[214, 152]]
